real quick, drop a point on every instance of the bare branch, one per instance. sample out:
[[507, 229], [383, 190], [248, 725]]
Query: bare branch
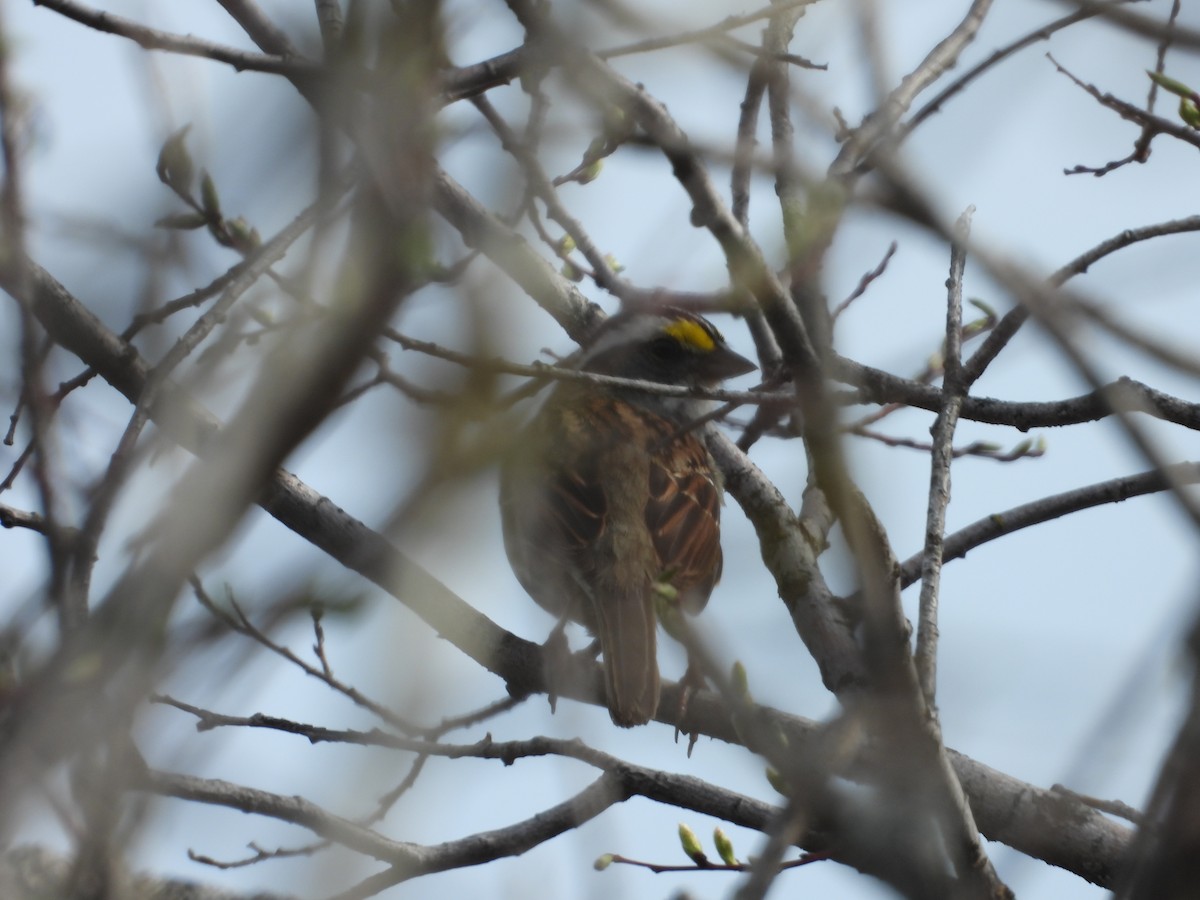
[[939, 476], [704, 34], [153, 39], [963, 81], [1012, 322], [879, 125]]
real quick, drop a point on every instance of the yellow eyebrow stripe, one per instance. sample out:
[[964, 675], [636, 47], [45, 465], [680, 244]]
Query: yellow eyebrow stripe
[[691, 334]]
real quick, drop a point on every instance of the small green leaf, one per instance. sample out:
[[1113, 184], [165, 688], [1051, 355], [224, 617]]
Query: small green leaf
[[1178, 88], [174, 167]]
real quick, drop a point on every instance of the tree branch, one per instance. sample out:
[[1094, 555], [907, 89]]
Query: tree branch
[[153, 39]]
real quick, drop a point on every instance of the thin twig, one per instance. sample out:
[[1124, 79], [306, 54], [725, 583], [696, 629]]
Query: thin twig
[[939, 475], [1112, 807], [1012, 321], [959, 84], [702, 34], [1025, 449], [258, 25], [879, 124], [865, 282], [877, 386], [154, 39], [238, 622], [19, 518], [123, 459], [743, 151], [1046, 509]]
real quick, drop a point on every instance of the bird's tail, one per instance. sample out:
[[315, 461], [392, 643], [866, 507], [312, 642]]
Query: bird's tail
[[626, 625]]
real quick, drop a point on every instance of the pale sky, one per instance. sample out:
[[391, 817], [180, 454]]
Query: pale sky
[[1061, 657]]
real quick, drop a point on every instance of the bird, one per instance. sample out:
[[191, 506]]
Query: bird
[[611, 492]]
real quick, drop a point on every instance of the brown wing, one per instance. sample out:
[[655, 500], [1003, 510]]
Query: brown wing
[[683, 515], [576, 503], [555, 511]]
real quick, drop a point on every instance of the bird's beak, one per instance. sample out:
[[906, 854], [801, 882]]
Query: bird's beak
[[724, 363]]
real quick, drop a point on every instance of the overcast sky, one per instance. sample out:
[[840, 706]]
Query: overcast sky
[[1061, 657]]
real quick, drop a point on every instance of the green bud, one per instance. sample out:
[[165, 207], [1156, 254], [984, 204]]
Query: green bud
[[1189, 112], [776, 781], [1188, 109], [1178, 88], [208, 196], [244, 236], [984, 308], [566, 244], [976, 327], [591, 173], [174, 167], [603, 862], [571, 272], [691, 845], [724, 847]]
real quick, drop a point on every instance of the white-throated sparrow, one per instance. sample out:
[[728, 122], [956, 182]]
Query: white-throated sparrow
[[610, 493]]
